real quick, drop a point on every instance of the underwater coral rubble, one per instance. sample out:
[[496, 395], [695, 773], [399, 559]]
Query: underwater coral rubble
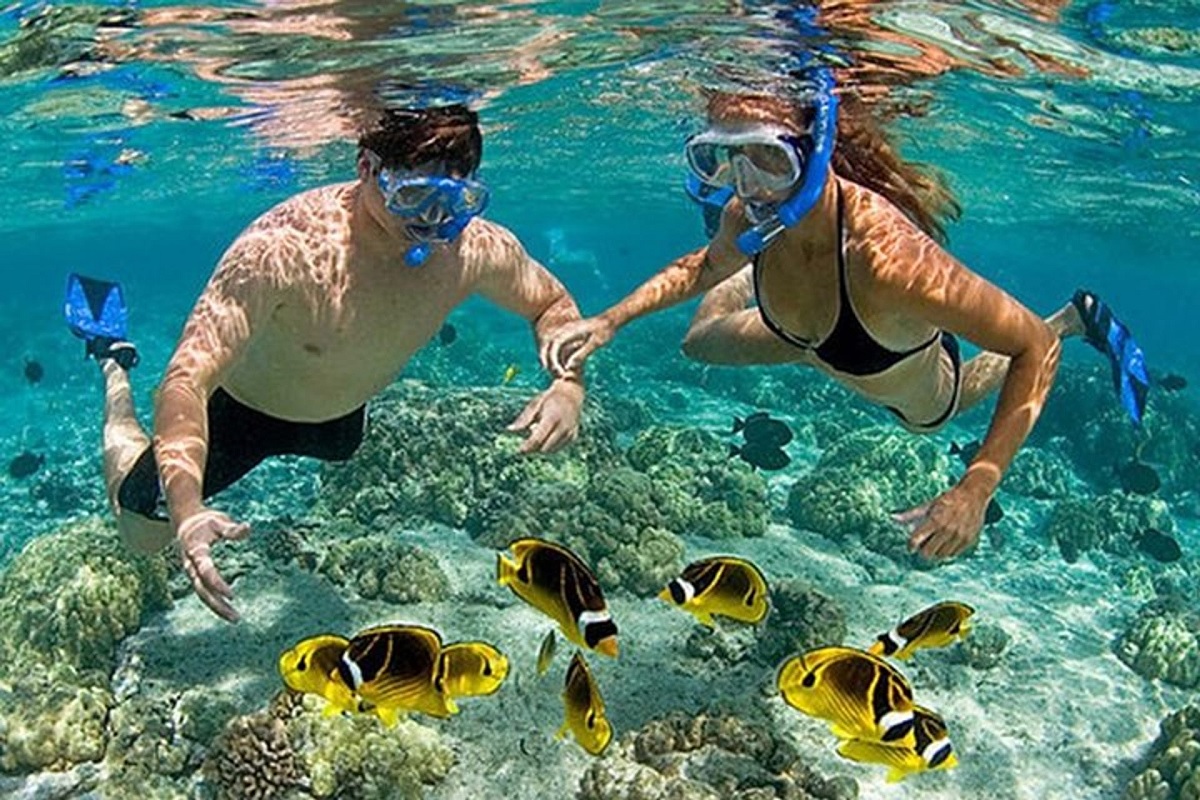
[[860, 479], [1172, 771], [440, 456], [708, 757]]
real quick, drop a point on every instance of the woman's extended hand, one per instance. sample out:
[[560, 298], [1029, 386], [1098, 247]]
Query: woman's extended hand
[[947, 525], [566, 348]]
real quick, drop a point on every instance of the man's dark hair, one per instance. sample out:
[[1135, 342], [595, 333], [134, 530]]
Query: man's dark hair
[[410, 137]]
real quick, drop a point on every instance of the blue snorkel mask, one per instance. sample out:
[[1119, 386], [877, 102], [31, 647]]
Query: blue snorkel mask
[[435, 209], [719, 162]]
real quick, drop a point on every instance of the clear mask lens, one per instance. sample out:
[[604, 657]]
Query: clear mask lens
[[751, 162]]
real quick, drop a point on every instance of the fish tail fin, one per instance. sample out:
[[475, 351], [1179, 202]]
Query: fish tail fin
[[506, 569]]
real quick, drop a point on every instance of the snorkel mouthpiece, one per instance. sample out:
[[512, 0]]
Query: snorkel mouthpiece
[[792, 210], [417, 255]]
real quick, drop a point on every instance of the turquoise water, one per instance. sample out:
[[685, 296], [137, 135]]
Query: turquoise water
[[1069, 136]]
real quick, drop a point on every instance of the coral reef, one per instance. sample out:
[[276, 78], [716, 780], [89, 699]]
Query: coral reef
[[1168, 438], [440, 457], [1173, 770], [863, 477], [292, 745], [1163, 641], [72, 595], [984, 647], [253, 759], [382, 567], [801, 618], [51, 718], [1040, 473], [433, 455], [707, 757], [1109, 522]]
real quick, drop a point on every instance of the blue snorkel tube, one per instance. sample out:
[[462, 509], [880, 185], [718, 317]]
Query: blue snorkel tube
[[792, 210]]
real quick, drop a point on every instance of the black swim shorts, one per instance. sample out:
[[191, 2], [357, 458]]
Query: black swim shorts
[[238, 439]]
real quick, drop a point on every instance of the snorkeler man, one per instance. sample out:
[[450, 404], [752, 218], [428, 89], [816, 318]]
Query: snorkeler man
[[848, 277], [314, 309]]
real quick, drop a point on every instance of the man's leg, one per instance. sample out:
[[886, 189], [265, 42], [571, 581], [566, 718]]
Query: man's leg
[[725, 331], [985, 373], [124, 443]]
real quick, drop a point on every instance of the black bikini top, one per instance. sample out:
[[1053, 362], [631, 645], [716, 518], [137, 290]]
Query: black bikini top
[[848, 348]]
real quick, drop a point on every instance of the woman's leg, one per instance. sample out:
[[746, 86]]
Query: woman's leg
[[725, 331], [985, 373]]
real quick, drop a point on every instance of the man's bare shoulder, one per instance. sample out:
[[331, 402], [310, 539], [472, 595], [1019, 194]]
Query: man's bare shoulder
[[318, 208], [487, 245], [298, 230]]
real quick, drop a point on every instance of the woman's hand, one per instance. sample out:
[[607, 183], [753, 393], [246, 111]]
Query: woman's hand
[[565, 349], [947, 525]]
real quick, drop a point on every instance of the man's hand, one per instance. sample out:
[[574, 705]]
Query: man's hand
[[552, 418], [196, 535], [947, 525], [567, 347]]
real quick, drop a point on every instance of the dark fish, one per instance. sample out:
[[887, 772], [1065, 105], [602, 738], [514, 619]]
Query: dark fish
[[759, 428], [760, 456], [1172, 382], [994, 513], [1138, 478], [1069, 550], [966, 453], [448, 335], [34, 371], [1159, 545], [25, 464]]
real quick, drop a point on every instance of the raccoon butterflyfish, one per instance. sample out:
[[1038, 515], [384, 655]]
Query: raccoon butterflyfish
[[936, 626], [311, 667], [471, 669], [556, 582], [731, 587], [931, 749], [393, 668], [861, 695], [584, 709], [546, 652]]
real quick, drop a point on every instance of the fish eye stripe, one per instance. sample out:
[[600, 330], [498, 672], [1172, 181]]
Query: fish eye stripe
[[936, 753], [896, 725], [681, 591]]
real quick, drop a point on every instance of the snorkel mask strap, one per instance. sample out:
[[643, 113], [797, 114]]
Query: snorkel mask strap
[[792, 210], [711, 199]]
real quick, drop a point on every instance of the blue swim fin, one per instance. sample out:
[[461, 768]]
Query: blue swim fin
[[1106, 333], [95, 312]]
